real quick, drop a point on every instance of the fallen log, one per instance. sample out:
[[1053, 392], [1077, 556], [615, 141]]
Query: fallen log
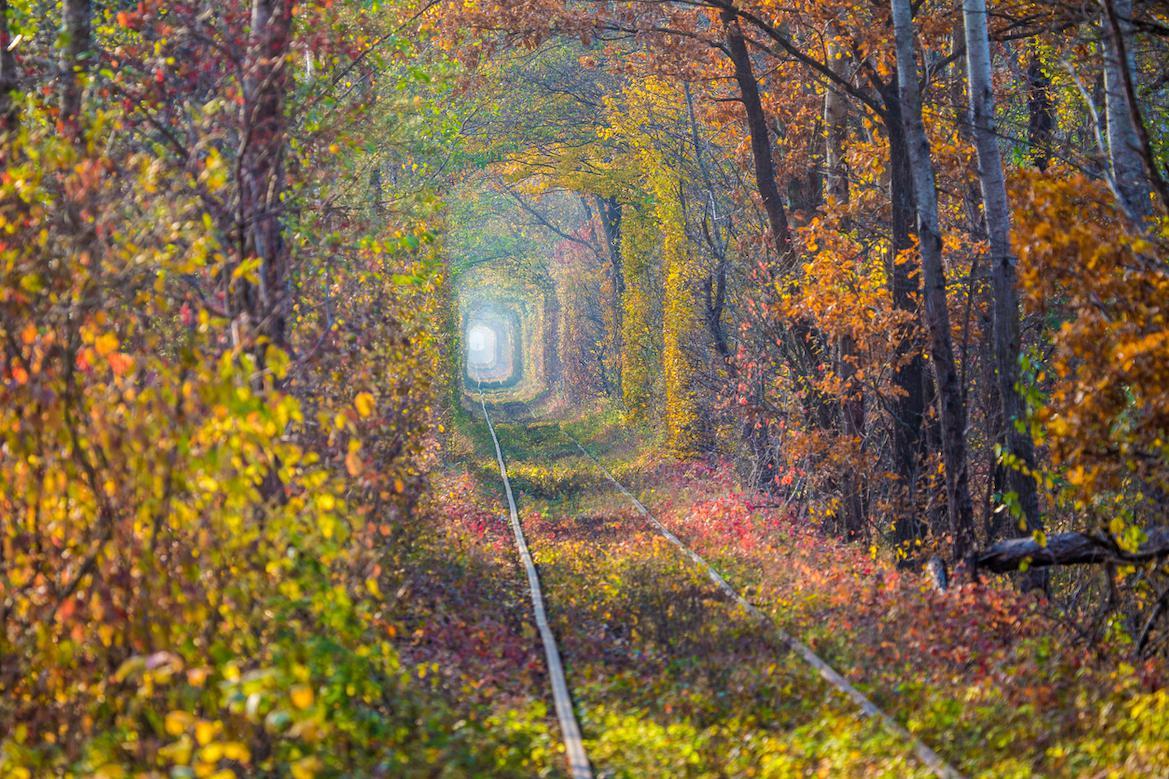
[[1069, 549]]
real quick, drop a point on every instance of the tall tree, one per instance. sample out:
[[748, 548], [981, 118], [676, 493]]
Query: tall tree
[[1014, 437], [1125, 157], [9, 77], [951, 403], [852, 405], [610, 212], [75, 57], [760, 133], [266, 82]]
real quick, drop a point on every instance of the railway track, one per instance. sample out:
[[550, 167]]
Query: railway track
[[923, 752], [578, 760]]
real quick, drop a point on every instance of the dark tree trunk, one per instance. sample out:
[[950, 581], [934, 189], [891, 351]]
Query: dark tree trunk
[[75, 59], [909, 407], [716, 282], [765, 180], [1040, 116], [610, 211], [377, 195], [262, 166], [852, 406], [9, 77]]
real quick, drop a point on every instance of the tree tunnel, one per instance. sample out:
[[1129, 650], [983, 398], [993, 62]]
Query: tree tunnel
[[505, 349], [494, 356]]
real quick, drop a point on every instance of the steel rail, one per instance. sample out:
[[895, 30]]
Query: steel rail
[[578, 760]]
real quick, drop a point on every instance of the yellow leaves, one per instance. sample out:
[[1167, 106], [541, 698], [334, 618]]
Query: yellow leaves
[[178, 752], [353, 463], [277, 361], [215, 171], [305, 768], [301, 696], [190, 446], [204, 732], [364, 403], [248, 270], [106, 344], [1117, 525], [179, 722], [224, 750]]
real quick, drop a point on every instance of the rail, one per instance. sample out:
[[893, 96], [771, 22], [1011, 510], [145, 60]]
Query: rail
[[577, 757]]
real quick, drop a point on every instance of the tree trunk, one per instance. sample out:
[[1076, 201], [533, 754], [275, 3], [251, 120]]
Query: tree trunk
[[9, 76], [909, 406], [836, 129], [1013, 437], [804, 342], [852, 406], [1069, 549], [1124, 144], [75, 60], [951, 406], [716, 282], [610, 211], [1040, 116], [1004, 275], [262, 165], [765, 180]]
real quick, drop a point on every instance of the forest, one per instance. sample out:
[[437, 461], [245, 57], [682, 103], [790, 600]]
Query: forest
[[638, 388]]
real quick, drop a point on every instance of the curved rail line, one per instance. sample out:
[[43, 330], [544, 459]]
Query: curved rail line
[[578, 760], [924, 753]]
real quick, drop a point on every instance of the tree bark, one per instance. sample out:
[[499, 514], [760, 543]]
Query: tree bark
[[836, 127], [1069, 549], [765, 180], [1003, 271], [1124, 144], [75, 59], [9, 76], [716, 282], [1040, 116], [909, 405], [852, 406], [610, 211], [1119, 17], [262, 165], [951, 405]]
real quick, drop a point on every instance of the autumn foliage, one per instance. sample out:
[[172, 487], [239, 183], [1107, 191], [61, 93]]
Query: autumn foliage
[[845, 291]]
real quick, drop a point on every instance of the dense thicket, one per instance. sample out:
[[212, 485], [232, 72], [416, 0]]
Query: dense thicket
[[221, 311]]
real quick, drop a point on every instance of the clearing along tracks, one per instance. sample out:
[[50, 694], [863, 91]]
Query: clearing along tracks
[[670, 676]]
